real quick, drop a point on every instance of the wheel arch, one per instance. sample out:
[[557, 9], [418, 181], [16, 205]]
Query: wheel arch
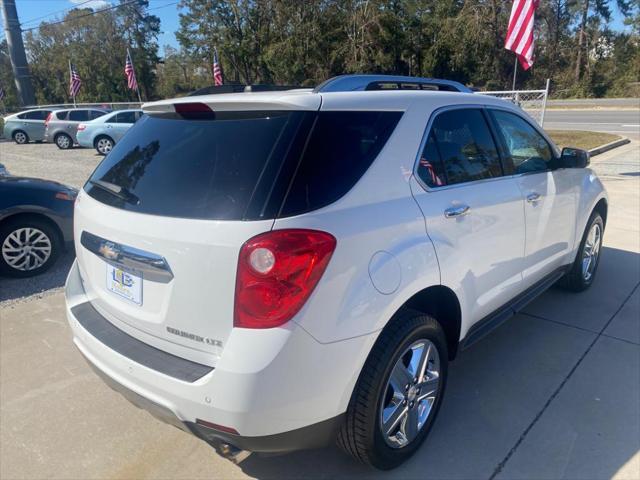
[[34, 216], [441, 303], [99, 136], [602, 207], [16, 131]]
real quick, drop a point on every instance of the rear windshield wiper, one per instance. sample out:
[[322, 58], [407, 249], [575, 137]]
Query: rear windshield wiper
[[117, 191]]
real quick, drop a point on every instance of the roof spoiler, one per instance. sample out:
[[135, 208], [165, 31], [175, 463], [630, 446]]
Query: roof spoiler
[[239, 88], [352, 83]]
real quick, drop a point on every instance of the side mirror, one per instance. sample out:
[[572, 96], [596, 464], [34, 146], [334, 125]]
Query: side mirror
[[574, 158]]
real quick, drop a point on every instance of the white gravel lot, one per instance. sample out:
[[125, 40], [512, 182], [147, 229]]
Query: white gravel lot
[[45, 160]]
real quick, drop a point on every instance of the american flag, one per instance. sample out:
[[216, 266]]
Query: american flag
[[74, 81], [1, 94], [520, 31], [132, 83], [217, 71]]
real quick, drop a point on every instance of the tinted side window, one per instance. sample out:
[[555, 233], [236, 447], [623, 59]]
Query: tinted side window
[[526, 148], [93, 114], [62, 115], [37, 115], [340, 149], [430, 167], [22, 116], [78, 115], [466, 146], [126, 117]]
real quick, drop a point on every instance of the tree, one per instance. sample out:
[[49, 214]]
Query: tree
[[97, 47]]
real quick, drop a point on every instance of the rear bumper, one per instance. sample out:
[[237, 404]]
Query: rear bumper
[[279, 389], [312, 436], [84, 139]]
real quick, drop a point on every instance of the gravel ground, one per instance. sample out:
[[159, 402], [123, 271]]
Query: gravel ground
[[45, 160]]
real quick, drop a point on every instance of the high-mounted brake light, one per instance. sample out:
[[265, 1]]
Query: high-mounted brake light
[[277, 271], [194, 110]]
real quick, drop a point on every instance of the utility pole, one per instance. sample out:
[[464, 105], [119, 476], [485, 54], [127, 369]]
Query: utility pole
[[16, 53]]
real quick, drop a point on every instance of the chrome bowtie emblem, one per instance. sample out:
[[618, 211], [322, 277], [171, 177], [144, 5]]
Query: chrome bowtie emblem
[[109, 250]]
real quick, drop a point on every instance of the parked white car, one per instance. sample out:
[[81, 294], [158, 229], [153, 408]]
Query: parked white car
[[272, 271]]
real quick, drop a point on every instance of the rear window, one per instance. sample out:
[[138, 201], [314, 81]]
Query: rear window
[[240, 165], [93, 114], [37, 115]]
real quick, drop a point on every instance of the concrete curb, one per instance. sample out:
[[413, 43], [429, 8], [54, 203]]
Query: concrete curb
[[608, 146]]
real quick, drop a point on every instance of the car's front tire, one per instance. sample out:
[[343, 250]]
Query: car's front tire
[[20, 137], [104, 144], [583, 270], [398, 394], [63, 141], [28, 246]]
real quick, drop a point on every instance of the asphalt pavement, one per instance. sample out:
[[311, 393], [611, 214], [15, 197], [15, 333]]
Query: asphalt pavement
[[622, 122]]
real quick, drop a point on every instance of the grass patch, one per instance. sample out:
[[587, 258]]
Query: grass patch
[[581, 139]]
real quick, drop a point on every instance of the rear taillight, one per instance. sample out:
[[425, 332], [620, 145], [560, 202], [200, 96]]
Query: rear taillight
[[277, 271], [46, 122], [81, 127]]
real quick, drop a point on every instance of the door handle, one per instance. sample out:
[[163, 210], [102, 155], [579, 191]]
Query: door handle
[[533, 197], [457, 211]]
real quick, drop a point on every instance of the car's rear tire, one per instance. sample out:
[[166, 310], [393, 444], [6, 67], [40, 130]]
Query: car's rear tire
[[104, 144], [20, 137], [583, 270], [386, 422], [28, 247], [63, 141]]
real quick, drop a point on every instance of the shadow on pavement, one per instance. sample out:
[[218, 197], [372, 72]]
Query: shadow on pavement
[[14, 288]]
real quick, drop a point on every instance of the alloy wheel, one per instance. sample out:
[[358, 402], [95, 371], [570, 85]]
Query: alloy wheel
[[26, 249], [20, 137], [104, 145], [410, 394], [591, 251], [63, 141]]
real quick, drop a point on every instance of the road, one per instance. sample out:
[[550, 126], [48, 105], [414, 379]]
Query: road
[[621, 122]]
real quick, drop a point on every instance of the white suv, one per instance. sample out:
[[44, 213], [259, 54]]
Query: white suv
[[272, 271]]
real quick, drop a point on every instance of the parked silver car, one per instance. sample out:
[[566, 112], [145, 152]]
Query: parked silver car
[[62, 125], [104, 132], [27, 126]]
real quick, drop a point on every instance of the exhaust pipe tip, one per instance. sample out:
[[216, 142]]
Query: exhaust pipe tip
[[234, 454]]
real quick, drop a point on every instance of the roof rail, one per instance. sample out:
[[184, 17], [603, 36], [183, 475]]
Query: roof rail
[[352, 83]]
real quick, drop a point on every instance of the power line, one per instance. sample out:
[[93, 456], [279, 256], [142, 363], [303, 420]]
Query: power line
[[113, 7], [56, 12], [162, 6]]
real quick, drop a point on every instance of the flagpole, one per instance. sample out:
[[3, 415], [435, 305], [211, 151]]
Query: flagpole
[[70, 81], [515, 72]]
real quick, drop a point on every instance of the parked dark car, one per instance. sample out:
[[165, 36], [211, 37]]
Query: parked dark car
[[36, 223]]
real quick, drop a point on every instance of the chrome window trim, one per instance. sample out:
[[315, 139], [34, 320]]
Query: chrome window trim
[[423, 142]]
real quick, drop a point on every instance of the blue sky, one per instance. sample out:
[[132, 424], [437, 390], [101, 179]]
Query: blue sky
[[31, 12]]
